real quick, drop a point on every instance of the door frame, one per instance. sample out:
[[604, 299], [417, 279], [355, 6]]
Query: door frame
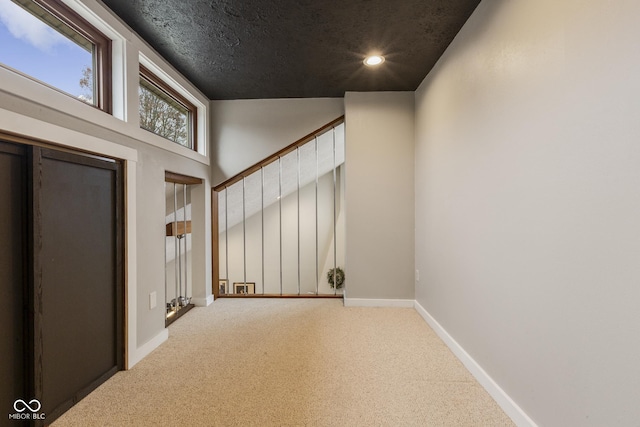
[[28, 130]]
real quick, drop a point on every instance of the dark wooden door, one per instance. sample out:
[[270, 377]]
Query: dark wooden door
[[77, 276], [13, 280]]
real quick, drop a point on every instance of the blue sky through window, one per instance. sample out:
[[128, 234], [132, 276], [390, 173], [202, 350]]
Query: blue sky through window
[[33, 48]]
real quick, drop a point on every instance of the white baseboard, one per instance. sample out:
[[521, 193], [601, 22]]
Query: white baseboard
[[364, 302], [517, 415], [202, 302], [145, 349]]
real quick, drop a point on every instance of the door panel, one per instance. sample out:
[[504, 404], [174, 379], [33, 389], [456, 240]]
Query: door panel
[[77, 276], [12, 275]]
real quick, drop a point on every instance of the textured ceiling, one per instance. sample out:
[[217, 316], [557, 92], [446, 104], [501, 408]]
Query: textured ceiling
[[251, 49]]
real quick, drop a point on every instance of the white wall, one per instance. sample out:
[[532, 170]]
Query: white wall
[[27, 108], [527, 207], [243, 132], [379, 195]]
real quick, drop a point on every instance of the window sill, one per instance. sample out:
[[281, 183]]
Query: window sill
[[18, 86]]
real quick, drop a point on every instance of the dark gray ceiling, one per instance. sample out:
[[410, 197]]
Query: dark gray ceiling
[[239, 49]]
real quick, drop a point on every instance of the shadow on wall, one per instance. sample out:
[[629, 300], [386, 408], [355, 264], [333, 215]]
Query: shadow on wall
[[243, 132]]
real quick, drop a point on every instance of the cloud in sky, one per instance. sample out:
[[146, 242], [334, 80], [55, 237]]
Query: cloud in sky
[[24, 26]]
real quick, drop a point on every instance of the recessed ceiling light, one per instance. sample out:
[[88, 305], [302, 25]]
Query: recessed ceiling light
[[373, 60]]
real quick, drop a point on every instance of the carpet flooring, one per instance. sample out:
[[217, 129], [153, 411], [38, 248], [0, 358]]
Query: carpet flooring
[[293, 362]]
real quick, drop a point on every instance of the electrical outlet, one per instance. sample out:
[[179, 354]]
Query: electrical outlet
[[153, 300]]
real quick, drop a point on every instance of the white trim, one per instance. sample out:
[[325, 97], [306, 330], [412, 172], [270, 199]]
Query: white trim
[[365, 302], [131, 251], [203, 302], [145, 349], [38, 129], [511, 408], [23, 87], [118, 42], [201, 109]]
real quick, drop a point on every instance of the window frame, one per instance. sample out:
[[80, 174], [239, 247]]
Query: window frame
[[192, 119], [101, 55]]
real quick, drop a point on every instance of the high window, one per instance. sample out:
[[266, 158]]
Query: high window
[[165, 112], [48, 42]]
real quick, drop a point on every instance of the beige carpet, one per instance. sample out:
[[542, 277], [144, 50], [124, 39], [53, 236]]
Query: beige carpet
[[293, 362]]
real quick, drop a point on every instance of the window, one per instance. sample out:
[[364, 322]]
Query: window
[[48, 42], [165, 112]]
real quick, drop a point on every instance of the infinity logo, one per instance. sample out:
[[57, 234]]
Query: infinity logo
[[24, 405]]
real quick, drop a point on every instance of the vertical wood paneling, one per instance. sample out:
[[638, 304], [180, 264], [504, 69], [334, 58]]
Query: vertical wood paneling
[[78, 276], [13, 275]]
